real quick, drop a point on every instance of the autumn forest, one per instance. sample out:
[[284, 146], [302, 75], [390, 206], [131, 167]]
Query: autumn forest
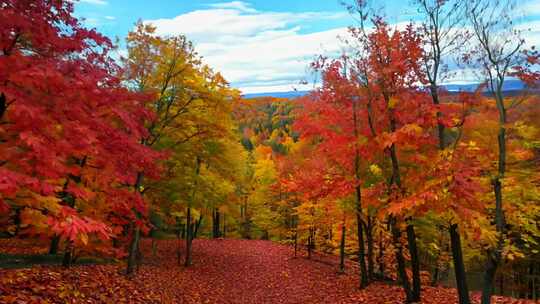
[[146, 177]]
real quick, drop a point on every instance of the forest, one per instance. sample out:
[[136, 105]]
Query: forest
[[148, 178]]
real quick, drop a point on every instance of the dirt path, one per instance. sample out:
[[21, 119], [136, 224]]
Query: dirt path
[[239, 271]]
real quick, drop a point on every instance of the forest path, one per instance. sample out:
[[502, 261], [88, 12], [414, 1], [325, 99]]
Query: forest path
[[224, 271], [250, 271]]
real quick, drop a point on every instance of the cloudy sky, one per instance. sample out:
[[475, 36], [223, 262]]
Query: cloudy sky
[[258, 45]]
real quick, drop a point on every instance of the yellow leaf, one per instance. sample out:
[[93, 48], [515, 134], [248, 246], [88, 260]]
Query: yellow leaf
[[392, 103], [84, 238], [375, 170]]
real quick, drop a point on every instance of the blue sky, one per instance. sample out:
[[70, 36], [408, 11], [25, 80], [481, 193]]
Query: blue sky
[[258, 45]]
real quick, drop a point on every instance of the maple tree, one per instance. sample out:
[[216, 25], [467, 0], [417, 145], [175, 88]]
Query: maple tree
[[70, 130]]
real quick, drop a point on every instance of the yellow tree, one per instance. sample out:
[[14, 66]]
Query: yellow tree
[[191, 105]]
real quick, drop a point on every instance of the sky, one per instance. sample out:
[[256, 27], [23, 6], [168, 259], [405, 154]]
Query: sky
[[258, 45]]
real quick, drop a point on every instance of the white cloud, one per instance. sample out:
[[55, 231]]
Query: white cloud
[[236, 5], [260, 51], [96, 2], [256, 51], [110, 18]]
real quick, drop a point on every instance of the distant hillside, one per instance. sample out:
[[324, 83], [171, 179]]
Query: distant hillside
[[290, 94], [509, 85]]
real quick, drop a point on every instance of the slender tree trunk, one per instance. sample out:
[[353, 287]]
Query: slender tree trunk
[[435, 276], [154, 247], [530, 282], [55, 243], [183, 228], [396, 233], [402, 274], [179, 236], [456, 247], [415, 262], [493, 258], [440, 126], [224, 226], [457, 255], [17, 221], [215, 223], [369, 235], [342, 249], [361, 247], [197, 226], [187, 261], [189, 232], [134, 245], [3, 105], [364, 281], [246, 229], [68, 255], [381, 255], [494, 255]]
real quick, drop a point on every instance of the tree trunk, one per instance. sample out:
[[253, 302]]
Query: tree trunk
[[187, 261], [154, 247], [435, 275], [359, 222], [55, 243], [183, 231], [402, 274], [414, 294], [224, 226], [215, 224], [197, 226], [133, 248], [342, 249], [179, 235], [530, 285], [369, 235], [246, 230], [68, 255], [189, 225], [3, 105], [17, 221], [361, 247], [489, 278], [415, 262], [381, 255], [136, 231], [494, 256], [457, 255]]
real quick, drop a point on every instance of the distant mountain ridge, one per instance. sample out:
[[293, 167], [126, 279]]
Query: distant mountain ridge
[[509, 85]]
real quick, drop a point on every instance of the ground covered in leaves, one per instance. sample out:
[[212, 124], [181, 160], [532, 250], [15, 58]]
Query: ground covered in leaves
[[223, 271]]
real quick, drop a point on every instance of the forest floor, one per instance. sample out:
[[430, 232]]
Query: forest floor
[[223, 271]]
